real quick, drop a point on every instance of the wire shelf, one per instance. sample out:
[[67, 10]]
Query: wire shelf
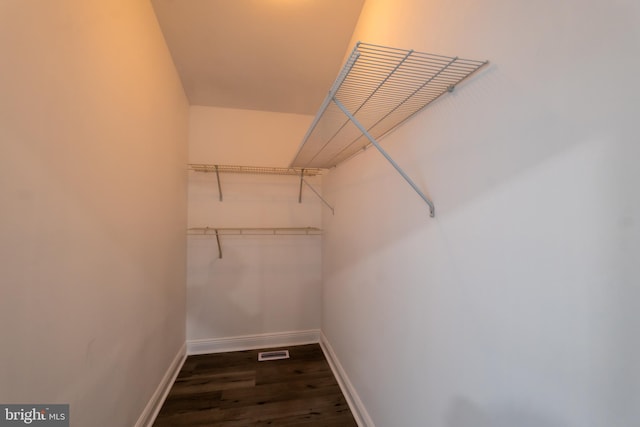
[[381, 87], [254, 170], [277, 231], [274, 231], [263, 170]]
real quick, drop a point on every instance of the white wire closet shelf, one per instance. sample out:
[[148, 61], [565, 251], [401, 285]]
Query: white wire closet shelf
[[217, 232], [381, 87], [255, 170], [262, 170], [378, 89], [254, 231]]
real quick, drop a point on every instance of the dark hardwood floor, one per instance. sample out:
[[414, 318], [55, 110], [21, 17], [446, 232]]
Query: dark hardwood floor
[[235, 390]]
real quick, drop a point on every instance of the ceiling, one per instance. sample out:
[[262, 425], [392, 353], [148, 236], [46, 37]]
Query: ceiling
[[272, 55]]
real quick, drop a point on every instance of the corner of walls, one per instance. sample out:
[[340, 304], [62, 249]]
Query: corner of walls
[[265, 287]]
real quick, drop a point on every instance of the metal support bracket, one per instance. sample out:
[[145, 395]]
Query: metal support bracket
[[304, 181], [219, 186], [219, 245], [320, 197], [301, 181], [385, 154]]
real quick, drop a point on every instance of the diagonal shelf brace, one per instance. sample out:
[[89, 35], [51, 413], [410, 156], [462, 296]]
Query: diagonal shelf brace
[[385, 154], [304, 181], [333, 212]]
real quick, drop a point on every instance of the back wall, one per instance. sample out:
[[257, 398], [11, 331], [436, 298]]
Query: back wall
[[262, 285]]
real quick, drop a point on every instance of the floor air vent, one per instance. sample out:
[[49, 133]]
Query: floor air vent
[[273, 355]]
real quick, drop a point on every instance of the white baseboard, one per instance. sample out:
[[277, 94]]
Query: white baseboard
[[357, 408], [251, 342], [150, 411]]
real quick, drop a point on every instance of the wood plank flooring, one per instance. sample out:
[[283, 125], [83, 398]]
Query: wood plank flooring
[[235, 390]]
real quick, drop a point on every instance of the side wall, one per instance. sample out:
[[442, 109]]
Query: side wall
[[517, 304], [262, 284], [93, 147]]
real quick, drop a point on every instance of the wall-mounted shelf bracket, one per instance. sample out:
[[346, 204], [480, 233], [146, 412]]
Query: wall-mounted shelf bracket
[[218, 181], [301, 182], [219, 245], [274, 231], [319, 196]]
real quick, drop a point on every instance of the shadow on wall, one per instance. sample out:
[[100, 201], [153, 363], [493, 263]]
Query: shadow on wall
[[509, 132], [488, 132], [464, 413], [263, 284]]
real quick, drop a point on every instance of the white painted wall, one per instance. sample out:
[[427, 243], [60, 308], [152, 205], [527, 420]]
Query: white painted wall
[[517, 305], [93, 143], [230, 136], [264, 284]]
